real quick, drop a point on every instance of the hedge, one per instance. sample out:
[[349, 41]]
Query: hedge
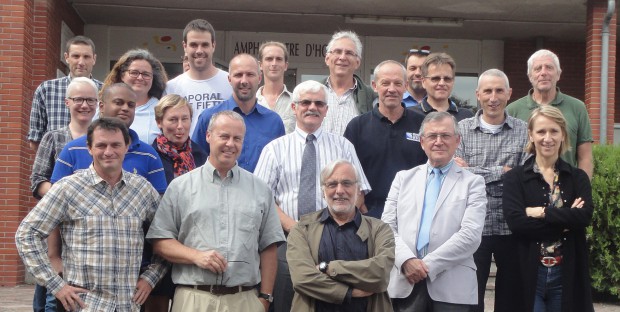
[[604, 234]]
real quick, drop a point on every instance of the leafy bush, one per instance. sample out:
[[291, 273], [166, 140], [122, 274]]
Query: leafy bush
[[604, 234]]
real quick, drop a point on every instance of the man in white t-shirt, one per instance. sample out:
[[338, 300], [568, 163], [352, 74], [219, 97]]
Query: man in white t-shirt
[[203, 85]]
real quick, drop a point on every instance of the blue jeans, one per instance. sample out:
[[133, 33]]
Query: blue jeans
[[43, 300], [548, 289]]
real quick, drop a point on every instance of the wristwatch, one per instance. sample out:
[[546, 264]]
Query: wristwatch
[[268, 297], [323, 266]]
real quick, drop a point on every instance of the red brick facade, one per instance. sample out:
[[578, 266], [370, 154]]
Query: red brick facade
[[30, 34], [596, 14]]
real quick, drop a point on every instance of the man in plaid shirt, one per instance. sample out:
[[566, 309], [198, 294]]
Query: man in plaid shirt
[[100, 211], [491, 144], [49, 111]]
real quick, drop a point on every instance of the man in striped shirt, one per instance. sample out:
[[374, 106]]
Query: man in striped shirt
[[100, 211], [280, 166]]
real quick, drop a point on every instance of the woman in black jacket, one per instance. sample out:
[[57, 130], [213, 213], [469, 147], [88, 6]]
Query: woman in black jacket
[[548, 204]]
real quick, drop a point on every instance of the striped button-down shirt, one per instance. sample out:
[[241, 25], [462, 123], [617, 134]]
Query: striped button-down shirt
[[486, 154], [102, 235], [48, 111], [342, 109], [279, 165]]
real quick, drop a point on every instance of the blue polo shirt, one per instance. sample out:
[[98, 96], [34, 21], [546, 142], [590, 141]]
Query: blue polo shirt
[[140, 159], [262, 125], [385, 148]]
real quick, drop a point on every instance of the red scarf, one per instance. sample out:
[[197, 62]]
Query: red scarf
[[182, 158]]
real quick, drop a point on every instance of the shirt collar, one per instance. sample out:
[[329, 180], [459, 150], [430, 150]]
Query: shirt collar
[[214, 176], [427, 108], [329, 83], [377, 113], [444, 170], [96, 179], [357, 219], [302, 135], [508, 121], [533, 104]]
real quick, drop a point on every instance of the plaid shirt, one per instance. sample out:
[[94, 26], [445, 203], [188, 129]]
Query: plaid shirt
[[102, 235], [49, 111], [50, 147], [487, 154]]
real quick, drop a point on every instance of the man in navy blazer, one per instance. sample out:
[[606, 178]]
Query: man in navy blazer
[[436, 235]]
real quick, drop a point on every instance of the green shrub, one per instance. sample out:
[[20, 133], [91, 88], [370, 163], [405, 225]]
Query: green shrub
[[604, 234]]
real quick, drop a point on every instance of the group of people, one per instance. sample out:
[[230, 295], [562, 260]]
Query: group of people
[[221, 195]]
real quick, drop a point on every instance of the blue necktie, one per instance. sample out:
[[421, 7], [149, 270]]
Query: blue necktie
[[430, 200], [306, 199]]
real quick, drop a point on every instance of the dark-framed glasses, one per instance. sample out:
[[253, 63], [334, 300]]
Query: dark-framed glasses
[[137, 73], [80, 100]]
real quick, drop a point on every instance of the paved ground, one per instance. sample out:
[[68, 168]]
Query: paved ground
[[19, 299]]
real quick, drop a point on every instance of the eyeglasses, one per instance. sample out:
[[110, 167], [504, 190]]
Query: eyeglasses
[[347, 53], [332, 185], [419, 51], [306, 103], [443, 136], [136, 74], [80, 100], [437, 79]]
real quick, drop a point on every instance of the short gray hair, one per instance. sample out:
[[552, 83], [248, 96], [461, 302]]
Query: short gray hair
[[82, 81], [327, 171], [494, 72], [378, 68], [232, 114], [543, 53], [348, 35], [308, 86], [439, 116]]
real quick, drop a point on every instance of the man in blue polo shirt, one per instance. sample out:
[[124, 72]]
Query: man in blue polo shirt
[[118, 100], [386, 139], [262, 124]]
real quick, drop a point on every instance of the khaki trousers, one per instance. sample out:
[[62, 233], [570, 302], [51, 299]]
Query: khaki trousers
[[189, 299]]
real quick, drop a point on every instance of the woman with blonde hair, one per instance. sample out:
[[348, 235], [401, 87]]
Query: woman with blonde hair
[[547, 204]]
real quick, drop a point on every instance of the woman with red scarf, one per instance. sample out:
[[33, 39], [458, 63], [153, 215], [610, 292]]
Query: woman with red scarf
[[178, 154]]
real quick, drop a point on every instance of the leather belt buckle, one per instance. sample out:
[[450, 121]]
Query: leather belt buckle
[[550, 261]]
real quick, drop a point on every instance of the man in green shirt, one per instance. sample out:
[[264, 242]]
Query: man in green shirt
[[543, 70]]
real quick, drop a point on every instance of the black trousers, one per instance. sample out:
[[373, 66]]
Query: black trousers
[[504, 249]]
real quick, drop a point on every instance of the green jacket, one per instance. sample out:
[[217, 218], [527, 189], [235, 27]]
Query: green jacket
[[363, 94], [370, 275]]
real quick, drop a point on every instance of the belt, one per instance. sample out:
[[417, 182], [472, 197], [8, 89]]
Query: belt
[[219, 289], [551, 261]]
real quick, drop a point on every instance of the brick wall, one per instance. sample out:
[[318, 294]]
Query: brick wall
[[596, 13], [29, 54]]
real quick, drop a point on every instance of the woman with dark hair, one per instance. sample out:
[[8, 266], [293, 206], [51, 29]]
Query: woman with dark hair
[[548, 204], [147, 77]]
